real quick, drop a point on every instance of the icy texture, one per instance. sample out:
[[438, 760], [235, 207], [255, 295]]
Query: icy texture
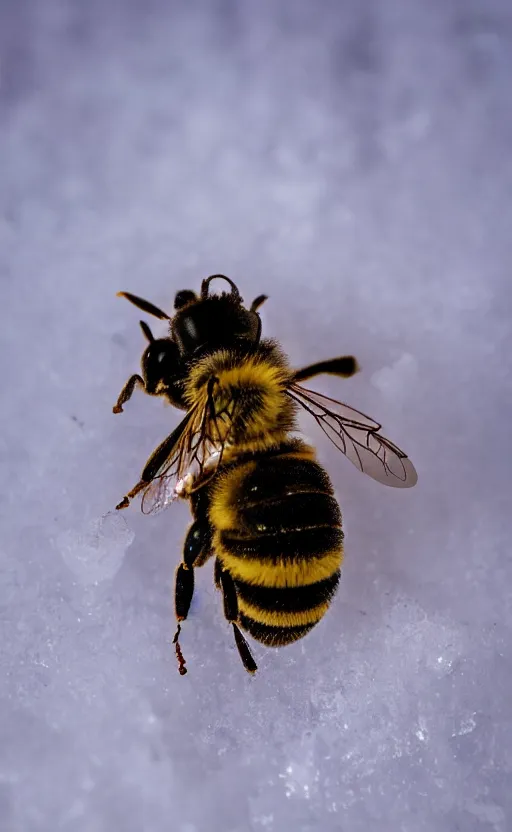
[[97, 555], [353, 161]]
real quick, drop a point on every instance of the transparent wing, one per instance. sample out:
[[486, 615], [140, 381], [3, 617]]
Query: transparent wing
[[357, 436], [192, 456], [188, 465]]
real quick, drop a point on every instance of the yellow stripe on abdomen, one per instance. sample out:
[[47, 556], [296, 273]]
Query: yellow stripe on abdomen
[[276, 618], [281, 573]]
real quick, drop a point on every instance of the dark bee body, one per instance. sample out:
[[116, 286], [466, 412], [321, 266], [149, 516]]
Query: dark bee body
[[277, 531], [263, 506]]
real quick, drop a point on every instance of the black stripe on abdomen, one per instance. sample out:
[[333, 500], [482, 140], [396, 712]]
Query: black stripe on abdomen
[[294, 545], [276, 476], [288, 599], [292, 511], [273, 636]]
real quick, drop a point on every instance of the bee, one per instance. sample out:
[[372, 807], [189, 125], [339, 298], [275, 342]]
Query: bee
[[261, 503]]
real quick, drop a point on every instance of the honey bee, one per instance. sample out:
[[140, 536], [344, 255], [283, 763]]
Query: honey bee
[[262, 505]]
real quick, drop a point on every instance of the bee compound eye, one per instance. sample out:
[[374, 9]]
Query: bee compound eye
[[160, 357]]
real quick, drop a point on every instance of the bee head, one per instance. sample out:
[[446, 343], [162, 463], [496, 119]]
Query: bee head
[[208, 322], [162, 368], [202, 324]]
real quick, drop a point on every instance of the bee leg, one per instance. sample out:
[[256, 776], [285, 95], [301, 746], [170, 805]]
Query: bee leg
[[125, 502], [217, 571], [344, 366], [155, 461], [197, 544], [231, 615], [127, 391]]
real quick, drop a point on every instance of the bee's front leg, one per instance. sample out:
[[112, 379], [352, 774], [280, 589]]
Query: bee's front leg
[[127, 391]]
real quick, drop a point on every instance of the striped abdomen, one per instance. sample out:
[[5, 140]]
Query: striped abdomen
[[277, 531]]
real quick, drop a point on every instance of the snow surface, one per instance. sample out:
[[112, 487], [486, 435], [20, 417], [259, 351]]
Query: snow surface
[[352, 160]]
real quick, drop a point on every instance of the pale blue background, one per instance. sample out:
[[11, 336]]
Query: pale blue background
[[352, 160]]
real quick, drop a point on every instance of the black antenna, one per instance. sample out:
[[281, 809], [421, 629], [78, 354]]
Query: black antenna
[[205, 284], [257, 302], [147, 332], [145, 305]]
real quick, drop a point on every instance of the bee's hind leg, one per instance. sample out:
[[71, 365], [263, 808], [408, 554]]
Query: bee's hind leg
[[195, 552], [225, 582]]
